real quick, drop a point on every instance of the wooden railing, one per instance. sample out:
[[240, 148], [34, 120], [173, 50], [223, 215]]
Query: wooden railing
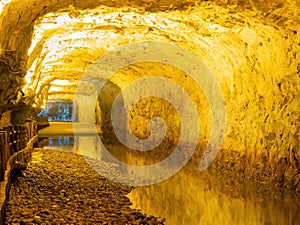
[[14, 139], [16, 145]]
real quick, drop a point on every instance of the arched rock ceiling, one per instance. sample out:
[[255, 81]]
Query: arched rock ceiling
[[47, 45]]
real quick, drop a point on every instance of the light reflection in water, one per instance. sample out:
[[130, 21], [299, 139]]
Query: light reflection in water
[[89, 145], [191, 197], [65, 143]]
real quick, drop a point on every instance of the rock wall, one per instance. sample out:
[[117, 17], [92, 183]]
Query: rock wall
[[259, 78], [251, 47]]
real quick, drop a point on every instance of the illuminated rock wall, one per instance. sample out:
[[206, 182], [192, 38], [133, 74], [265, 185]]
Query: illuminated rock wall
[[251, 47]]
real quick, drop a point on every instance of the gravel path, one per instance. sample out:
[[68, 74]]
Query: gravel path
[[61, 188]]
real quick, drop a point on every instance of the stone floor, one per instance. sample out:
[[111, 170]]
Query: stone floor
[[61, 188]]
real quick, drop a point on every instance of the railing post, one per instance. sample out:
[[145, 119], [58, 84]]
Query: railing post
[[25, 136], [29, 128], [17, 138], [8, 143], [2, 161], [12, 140], [5, 140]]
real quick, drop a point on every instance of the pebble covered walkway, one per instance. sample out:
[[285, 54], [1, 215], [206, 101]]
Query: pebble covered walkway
[[62, 188]]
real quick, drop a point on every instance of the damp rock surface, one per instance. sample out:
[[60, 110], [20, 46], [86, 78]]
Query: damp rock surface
[[62, 188]]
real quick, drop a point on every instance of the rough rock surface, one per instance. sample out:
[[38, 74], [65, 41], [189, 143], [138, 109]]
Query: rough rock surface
[[61, 188], [251, 47]]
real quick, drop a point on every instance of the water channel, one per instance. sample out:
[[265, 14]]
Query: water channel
[[191, 197]]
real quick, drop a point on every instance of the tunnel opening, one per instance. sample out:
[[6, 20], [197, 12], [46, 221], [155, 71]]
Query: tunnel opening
[[58, 110]]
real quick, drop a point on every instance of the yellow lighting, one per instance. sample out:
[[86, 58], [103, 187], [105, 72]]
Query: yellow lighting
[[60, 82], [217, 28], [34, 105], [38, 34], [53, 45], [28, 78], [46, 24], [30, 72], [56, 89], [3, 3], [59, 36], [63, 19]]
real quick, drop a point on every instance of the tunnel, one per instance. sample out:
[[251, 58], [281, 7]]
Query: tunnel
[[181, 97]]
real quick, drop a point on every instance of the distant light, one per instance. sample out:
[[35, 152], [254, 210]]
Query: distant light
[[34, 105]]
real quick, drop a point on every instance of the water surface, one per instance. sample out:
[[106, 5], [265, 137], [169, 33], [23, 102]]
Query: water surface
[[192, 197]]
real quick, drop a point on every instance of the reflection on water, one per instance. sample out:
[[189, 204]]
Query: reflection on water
[[89, 145], [191, 197], [58, 143]]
